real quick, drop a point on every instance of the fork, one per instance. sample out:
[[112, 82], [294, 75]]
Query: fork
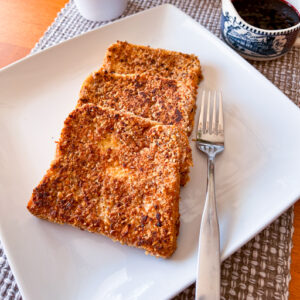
[[210, 140]]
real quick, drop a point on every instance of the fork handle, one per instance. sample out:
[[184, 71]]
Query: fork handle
[[208, 267]]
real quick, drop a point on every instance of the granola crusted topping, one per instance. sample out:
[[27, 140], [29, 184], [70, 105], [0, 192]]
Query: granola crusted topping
[[124, 151], [115, 174]]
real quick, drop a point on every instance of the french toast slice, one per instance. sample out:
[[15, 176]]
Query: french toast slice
[[115, 174], [161, 99], [125, 58]]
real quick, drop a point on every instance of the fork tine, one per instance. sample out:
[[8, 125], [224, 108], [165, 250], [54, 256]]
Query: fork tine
[[201, 117], [220, 121], [208, 113], [214, 113], [210, 126]]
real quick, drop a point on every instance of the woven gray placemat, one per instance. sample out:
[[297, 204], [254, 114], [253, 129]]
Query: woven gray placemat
[[260, 269]]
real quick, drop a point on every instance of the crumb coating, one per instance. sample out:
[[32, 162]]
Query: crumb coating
[[125, 58], [161, 99], [115, 174]]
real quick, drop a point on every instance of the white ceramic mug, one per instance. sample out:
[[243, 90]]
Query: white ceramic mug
[[101, 10], [256, 43]]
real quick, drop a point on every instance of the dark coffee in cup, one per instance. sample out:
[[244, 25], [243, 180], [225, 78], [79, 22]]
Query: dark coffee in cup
[[267, 14], [261, 29]]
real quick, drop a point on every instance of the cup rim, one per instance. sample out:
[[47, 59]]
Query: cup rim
[[260, 30]]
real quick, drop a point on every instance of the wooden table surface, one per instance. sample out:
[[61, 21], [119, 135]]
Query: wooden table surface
[[22, 23]]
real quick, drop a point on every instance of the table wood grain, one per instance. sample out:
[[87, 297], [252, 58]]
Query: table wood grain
[[22, 23]]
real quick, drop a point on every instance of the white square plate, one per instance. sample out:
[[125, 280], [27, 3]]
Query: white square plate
[[257, 175]]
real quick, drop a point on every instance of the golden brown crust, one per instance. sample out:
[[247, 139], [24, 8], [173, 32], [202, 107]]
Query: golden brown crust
[[115, 174], [125, 58], [164, 100], [186, 157]]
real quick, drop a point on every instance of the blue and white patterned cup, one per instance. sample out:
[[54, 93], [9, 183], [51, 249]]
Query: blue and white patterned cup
[[255, 43]]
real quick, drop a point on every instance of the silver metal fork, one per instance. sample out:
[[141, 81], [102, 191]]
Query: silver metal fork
[[210, 140]]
